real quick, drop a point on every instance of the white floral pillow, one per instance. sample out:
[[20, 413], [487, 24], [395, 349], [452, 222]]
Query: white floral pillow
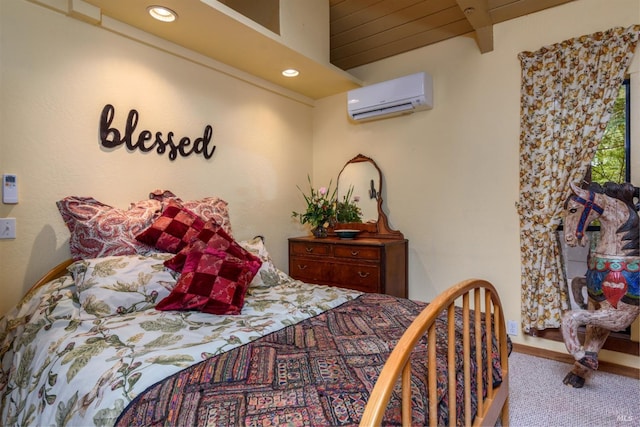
[[119, 285], [269, 274]]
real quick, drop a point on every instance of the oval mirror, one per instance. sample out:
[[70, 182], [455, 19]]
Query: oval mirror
[[360, 181]]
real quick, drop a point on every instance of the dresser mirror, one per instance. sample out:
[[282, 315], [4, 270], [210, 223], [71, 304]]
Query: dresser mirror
[[365, 178]]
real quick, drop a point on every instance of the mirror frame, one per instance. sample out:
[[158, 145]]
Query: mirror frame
[[380, 228]]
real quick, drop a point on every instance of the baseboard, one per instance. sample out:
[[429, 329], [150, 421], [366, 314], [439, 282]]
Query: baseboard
[[612, 368], [615, 341]]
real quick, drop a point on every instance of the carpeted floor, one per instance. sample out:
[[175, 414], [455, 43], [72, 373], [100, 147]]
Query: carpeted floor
[[539, 398]]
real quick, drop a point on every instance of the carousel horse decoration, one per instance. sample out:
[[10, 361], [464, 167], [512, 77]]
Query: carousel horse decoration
[[613, 272]]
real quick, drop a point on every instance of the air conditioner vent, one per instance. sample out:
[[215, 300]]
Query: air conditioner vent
[[403, 95]]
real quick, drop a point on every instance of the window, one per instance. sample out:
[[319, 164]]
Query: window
[[612, 160]]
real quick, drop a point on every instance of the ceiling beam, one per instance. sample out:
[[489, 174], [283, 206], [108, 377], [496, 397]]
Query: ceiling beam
[[477, 13]]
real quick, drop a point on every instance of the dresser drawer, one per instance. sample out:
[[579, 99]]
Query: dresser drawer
[[309, 270], [357, 252], [360, 277], [299, 248]]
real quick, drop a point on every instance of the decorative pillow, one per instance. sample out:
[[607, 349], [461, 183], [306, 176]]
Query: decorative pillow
[[118, 285], [99, 230], [173, 230], [212, 281], [213, 235], [269, 274], [213, 208], [257, 247]]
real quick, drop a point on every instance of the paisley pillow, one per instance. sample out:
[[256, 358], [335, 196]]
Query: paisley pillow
[[99, 230]]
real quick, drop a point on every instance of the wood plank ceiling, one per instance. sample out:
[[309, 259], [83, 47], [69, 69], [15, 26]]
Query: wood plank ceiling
[[364, 31]]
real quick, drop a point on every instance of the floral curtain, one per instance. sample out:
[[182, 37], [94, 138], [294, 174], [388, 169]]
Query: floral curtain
[[567, 94]]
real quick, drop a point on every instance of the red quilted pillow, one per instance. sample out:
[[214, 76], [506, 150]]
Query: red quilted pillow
[[215, 236], [212, 281], [99, 230], [213, 208], [173, 230]]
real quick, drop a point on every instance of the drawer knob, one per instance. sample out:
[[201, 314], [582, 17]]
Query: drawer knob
[[309, 250], [355, 253], [363, 275], [302, 267]]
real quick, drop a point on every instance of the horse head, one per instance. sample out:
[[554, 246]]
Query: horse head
[[581, 208]]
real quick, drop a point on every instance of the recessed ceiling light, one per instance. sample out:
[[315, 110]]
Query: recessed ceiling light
[[162, 13], [290, 72]]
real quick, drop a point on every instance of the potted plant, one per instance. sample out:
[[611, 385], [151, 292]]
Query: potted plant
[[321, 208]]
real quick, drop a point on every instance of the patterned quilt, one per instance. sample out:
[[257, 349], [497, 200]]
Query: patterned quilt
[[78, 351], [318, 372]]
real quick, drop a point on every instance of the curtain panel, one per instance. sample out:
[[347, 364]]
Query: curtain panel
[[567, 94]]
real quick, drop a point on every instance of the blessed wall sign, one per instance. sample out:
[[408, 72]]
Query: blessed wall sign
[[146, 141]]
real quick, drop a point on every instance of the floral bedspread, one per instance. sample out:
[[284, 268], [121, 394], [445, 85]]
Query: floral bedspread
[[63, 365]]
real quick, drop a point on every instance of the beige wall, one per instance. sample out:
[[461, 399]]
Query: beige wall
[[304, 27], [57, 74], [451, 173]]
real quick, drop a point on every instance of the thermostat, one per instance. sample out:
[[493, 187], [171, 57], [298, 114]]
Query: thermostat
[[9, 188]]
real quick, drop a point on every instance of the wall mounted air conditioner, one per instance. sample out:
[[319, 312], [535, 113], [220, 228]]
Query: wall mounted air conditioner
[[403, 95]]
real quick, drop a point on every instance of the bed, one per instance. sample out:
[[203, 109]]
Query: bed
[[103, 339]]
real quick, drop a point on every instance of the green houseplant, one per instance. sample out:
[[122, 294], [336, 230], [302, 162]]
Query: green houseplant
[[321, 208]]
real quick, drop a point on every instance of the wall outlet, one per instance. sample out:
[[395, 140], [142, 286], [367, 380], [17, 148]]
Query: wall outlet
[[512, 327], [7, 228]]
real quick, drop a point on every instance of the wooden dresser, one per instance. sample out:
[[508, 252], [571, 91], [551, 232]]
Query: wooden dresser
[[369, 264]]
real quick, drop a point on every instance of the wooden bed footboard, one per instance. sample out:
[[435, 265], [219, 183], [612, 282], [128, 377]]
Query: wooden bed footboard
[[474, 297]]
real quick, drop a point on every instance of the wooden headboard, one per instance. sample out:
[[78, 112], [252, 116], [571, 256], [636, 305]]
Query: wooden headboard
[[57, 271]]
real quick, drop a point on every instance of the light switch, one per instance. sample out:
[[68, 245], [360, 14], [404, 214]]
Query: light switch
[[7, 228], [512, 327]]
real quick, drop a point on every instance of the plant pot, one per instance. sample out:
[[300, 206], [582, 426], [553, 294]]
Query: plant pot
[[319, 232]]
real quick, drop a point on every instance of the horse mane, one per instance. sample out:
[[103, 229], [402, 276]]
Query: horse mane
[[624, 192]]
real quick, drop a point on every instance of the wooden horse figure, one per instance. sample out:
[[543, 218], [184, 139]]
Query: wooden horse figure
[[613, 271]]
